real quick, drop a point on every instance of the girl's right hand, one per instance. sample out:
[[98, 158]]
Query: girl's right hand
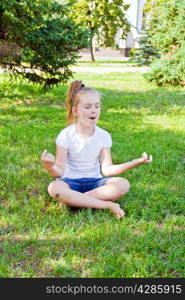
[[47, 158]]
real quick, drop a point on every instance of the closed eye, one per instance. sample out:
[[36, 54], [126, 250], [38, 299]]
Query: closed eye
[[89, 106]]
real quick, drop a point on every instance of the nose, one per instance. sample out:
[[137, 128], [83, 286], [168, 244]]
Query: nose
[[94, 109]]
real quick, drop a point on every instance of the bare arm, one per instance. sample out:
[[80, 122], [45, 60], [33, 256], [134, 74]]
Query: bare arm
[[55, 166], [108, 169]]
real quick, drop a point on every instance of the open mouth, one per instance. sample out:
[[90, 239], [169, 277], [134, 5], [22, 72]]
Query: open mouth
[[92, 118]]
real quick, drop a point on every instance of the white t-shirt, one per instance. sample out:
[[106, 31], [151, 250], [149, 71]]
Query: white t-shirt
[[83, 154]]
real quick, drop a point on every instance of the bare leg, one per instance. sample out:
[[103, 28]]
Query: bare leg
[[61, 191], [113, 190]]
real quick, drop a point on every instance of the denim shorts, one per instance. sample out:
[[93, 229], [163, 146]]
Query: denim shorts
[[83, 185]]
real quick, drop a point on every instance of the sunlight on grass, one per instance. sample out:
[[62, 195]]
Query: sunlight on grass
[[165, 122]]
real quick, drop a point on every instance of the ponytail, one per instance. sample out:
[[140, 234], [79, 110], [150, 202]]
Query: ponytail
[[73, 89]]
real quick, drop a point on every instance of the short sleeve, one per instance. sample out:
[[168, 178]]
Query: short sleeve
[[61, 139], [107, 141]]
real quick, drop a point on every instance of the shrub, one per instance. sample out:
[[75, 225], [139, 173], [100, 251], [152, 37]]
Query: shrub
[[169, 71], [166, 26], [46, 40]]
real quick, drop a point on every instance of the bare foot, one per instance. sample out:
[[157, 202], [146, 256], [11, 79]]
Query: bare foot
[[117, 211]]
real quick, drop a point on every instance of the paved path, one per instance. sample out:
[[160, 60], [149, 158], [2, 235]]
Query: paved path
[[106, 68], [109, 68]]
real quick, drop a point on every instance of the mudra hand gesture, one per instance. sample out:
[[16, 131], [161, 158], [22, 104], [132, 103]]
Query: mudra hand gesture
[[146, 159], [47, 158]]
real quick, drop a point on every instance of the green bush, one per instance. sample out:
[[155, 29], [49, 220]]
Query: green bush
[[146, 53], [166, 27], [39, 41], [169, 71]]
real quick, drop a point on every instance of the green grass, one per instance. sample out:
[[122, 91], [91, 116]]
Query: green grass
[[40, 238]]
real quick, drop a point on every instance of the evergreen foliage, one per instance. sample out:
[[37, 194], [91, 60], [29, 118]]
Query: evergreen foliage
[[39, 41], [147, 53], [169, 71], [168, 34]]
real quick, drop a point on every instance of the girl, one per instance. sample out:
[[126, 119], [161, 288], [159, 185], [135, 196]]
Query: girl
[[83, 165]]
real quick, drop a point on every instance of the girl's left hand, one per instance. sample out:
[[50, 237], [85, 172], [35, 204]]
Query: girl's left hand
[[146, 159]]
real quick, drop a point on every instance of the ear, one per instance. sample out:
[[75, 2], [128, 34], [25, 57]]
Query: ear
[[74, 111]]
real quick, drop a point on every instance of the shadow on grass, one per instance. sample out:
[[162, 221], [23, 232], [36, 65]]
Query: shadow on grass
[[34, 94], [27, 93]]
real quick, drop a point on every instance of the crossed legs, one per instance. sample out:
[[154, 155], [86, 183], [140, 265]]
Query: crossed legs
[[101, 197]]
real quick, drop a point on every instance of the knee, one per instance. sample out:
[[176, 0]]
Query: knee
[[57, 189], [124, 186], [52, 189]]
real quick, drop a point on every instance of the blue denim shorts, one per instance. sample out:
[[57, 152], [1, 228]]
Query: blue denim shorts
[[84, 184]]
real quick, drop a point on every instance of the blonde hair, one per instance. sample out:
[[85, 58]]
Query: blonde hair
[[76, 88]]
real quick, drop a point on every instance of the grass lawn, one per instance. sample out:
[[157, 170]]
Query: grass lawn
[[40, 238]]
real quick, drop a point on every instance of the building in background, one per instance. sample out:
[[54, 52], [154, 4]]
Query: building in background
[[135, 18]]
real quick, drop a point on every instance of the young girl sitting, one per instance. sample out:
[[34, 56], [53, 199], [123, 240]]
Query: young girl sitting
[[83, 165]]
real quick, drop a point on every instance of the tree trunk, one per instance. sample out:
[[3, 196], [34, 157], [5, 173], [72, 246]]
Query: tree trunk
[[91, 48]]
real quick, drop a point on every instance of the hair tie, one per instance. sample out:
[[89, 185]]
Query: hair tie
[[77, 85]]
